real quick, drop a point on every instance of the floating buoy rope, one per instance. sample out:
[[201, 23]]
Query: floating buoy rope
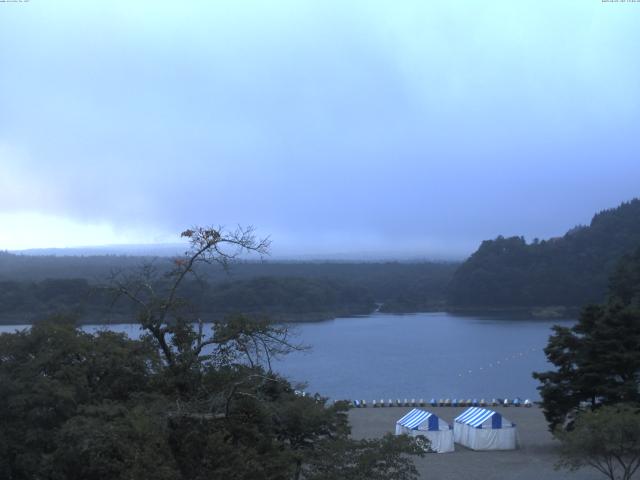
[[496, 363]]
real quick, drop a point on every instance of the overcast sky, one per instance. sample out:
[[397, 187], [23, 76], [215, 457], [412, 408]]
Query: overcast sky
[[414, 128]]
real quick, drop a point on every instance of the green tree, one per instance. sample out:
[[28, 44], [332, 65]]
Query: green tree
[[162, 312], [607, 439], [48, 375], [116, 441], [180, 403], [568, 271], [598, 359], [382, 459]]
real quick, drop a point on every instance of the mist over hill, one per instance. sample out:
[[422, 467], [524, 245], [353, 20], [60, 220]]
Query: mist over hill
[[283, 255], [134, 250]]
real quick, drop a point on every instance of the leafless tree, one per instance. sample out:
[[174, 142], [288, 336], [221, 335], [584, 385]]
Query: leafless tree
[[167, 317]]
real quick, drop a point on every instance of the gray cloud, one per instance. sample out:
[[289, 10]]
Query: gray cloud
[[359, 128]]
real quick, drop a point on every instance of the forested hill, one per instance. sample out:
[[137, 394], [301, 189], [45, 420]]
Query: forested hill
[[567, 271], [33, 287]]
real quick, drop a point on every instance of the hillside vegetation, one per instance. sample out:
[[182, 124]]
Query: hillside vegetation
[[503, 274], [32, 288], [570, 271]]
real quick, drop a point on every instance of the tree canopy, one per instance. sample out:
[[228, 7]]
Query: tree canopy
[[180, 403], [32, 288], [607, 439], [598, 359]]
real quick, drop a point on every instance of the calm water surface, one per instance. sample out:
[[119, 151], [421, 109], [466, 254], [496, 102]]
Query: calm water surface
[[420, 355]]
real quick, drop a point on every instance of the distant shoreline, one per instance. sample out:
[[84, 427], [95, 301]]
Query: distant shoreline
[[517, 313], [531, 313]]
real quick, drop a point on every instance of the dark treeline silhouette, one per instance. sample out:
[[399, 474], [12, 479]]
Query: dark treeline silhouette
[[591, 394], [505, 273], [32, 287], [567, 271], [597, 360]]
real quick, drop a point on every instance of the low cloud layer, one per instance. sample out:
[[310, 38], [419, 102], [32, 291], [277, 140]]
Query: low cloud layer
[[415, 129]]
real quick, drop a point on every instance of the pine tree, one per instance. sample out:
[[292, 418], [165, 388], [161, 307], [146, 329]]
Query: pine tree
[[598, 359]]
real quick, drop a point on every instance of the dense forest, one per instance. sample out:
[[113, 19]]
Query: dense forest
[[503, 274], [32, 287], [569, 271]]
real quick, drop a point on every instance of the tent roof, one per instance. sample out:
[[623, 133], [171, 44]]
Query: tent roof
[[414, 418], [475, 416]]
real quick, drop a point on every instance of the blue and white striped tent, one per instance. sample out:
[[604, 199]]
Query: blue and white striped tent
[[422, 423], [483, 429], [476, 416]]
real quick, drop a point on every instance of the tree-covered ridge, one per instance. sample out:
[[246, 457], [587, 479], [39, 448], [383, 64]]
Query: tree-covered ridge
[[33, 287], [280, 298], [286, 295], [572, 270]]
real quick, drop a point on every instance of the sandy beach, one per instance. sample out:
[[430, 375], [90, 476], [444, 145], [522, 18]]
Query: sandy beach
[[534, 460]]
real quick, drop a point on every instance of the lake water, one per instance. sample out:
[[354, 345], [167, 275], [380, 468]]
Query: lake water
[[414, 356]]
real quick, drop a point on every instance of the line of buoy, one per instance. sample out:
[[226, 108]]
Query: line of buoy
[[444, 402], [497, 363]]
